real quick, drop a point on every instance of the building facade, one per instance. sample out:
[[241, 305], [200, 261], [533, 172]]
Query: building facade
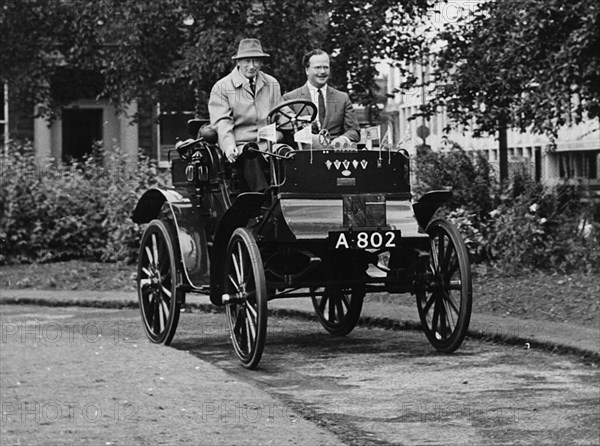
[[573, 158]]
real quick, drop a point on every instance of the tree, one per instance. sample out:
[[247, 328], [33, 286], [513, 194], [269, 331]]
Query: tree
[[127, 49], [531, 65]]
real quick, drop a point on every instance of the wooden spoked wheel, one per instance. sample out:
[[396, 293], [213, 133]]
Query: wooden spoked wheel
[[444, 302], [245, 296], [157, 280], [338, 308]]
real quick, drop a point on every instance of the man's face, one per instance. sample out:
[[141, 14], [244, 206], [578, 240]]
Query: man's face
[[318, 70], [250, 67]]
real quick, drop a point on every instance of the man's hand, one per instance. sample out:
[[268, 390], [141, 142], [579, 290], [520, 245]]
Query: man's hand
[[341, 142], [231, 153]]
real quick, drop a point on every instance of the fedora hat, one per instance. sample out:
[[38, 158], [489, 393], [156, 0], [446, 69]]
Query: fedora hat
[[249, 48]]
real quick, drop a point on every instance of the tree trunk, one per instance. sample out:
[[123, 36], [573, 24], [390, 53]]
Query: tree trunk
[[502, 150]]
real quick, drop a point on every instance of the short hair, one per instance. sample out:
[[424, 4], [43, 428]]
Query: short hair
[[307, 56]]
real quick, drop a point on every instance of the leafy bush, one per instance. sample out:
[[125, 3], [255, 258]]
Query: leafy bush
[[468, 174], [54, 211], [540, 229], [521, 226]]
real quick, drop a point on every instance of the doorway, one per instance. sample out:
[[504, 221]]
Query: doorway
[[81, 127]]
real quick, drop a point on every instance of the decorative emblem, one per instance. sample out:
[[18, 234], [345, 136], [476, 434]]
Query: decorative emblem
[[328, 164], [346, 172], [337, 164], [355, 164], [346, 164], [364, 163]]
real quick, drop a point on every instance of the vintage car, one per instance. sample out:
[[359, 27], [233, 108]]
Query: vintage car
[[335, 224]]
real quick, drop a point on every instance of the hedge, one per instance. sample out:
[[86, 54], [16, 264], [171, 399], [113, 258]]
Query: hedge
[[55, 211]]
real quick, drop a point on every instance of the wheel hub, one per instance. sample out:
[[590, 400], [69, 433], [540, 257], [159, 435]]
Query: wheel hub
[[155, 280]]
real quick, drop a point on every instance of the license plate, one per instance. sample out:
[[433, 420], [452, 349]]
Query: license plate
[[364, 239]]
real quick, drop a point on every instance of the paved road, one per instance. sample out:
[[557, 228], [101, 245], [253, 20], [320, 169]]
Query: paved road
[[80, 375]]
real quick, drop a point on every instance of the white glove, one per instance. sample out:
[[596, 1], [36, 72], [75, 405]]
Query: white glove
[[341, 142], [231, 153]]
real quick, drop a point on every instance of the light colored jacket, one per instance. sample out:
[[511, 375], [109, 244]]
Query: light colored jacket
[[235, 113], [340, 119]]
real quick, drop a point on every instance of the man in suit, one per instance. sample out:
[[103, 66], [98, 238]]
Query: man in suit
[[334, 109], [238, 106]]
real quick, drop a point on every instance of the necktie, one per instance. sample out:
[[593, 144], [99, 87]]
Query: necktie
[[321, 107], [252, 86]]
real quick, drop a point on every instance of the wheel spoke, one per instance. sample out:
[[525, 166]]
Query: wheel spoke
[[155, 251], [340, 310], [238, 321], [150, 257], [435, 318], [237, 267], [252, 311], [449, 317], [145, 270], [155, 316], [448, 255], [323, 303], [442, 318], [165, 309], [250, 323], [427, 305], [346, 300], [434, 255], [247, 333], [450, 272], [234, 283], [331, 309], [450, 300], [166, 291], [441, 248]]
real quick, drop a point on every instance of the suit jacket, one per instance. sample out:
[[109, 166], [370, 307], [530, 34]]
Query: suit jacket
[[235, 113], [340, 119]]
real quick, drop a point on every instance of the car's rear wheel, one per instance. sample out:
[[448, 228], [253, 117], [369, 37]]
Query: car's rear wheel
[[338, 308], [157, 282]]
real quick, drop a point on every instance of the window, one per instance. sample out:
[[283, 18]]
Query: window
[[171, 127], [580, 164], [81, 128]]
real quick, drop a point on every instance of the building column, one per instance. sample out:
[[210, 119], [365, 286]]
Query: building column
[[42, 138], [129, 135]]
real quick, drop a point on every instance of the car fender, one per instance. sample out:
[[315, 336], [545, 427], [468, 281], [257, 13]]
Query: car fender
[[177, 207], [426, 206], [244, 207]]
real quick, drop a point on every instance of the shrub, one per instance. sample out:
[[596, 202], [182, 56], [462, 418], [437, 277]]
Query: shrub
[[55, 211], [521, 226], [469, 175], [542, 229]]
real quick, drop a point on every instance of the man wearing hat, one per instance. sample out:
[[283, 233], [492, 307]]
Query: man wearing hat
[[238, 106]]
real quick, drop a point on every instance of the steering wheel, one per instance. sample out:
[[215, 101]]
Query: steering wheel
[[291, 118]]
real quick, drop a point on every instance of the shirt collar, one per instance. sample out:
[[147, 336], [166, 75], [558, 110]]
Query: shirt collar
[[313, 90], [239, 79]]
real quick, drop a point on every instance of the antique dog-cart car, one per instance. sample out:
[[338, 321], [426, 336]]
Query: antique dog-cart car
[[334, 225]]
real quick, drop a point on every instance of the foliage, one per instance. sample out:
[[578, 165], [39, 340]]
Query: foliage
[[468, 174], [533, 65], [144, 50], [53, 211], [539, 229], [520, 226]]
